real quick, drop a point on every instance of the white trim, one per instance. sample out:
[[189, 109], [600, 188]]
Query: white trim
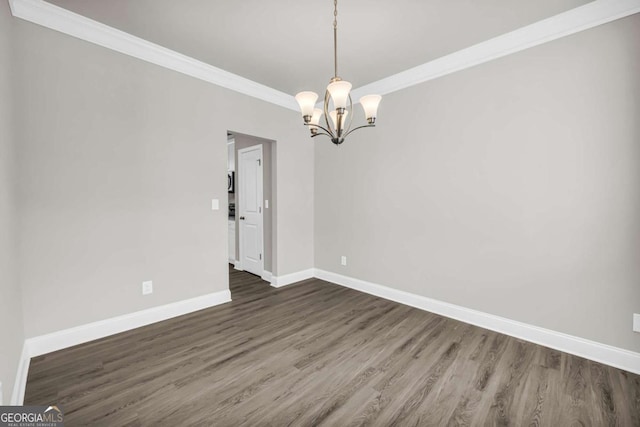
[[590, 15], [267, 276], [238, 265], [59, 340], [572, 21], [609, 355], [70, 23], [20, 385], [91, 331], [613, 356], [287, 279]]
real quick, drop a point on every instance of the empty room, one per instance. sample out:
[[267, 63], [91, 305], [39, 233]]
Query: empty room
[[431, 214]]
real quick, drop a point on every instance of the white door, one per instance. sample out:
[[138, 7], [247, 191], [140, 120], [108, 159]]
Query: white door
[[250, 209]]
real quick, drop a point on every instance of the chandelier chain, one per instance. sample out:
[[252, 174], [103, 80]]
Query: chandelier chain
[[335, 38]]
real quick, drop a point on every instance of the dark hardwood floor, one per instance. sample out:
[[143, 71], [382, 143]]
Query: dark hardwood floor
[[317, 353]]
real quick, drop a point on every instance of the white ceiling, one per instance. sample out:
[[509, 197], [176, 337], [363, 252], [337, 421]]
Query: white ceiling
[[287, 44]]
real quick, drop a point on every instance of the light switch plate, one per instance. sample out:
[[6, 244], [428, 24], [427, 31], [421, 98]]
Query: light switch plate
[[636, 322], [343, 260], [147, 287], [215, 204], [266, 204]]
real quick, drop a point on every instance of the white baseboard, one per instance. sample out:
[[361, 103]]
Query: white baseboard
[[91, 331], [609, 355], [54, 341], [238, 265], [267, 276], [603, 353], [287, 279], [20, 385]]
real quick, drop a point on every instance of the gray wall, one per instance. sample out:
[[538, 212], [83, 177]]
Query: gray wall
[[11, 327], [512, 188], [119, 160], [246, 141]]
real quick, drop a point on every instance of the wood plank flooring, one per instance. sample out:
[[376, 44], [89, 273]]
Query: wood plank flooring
[[315, 353]]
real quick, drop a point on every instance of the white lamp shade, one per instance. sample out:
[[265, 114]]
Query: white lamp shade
[[334, 118], [307, 101], [370, 105], [315, 118], [339, 92]]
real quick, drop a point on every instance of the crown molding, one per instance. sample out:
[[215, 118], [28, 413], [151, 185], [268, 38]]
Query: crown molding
[[572, 21], [590, 15], [70, 23]]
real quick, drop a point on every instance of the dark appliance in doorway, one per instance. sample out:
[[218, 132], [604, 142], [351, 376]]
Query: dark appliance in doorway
[[231, 175]]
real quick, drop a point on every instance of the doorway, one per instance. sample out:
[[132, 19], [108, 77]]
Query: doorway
[[252, 207]]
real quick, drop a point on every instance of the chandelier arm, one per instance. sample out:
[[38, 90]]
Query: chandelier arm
[[359, 127], [348, 128], [326, 115], [320, 127], [321, 133]]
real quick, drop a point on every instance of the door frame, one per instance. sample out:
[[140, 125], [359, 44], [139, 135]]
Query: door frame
[[239, 204]]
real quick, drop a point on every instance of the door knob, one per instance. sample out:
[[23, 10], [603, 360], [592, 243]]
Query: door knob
[[241, 218]]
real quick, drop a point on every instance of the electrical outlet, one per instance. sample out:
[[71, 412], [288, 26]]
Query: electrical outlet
[[215, 204], [343, 260], [147, 287], [636, 322]]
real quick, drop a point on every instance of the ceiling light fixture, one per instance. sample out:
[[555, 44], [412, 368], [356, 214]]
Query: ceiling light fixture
[[337, 102]]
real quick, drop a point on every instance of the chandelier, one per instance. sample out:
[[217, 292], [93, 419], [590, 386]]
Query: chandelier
[[337, 102]]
